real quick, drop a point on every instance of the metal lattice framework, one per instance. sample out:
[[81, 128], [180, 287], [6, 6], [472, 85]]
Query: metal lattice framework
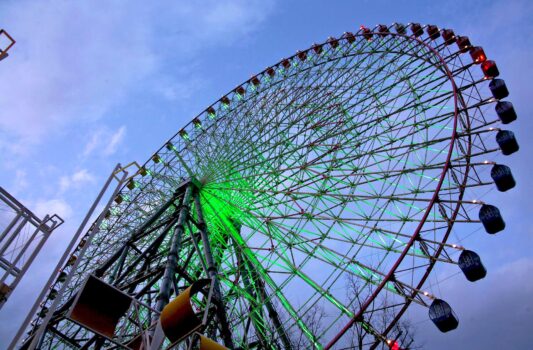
[[350, 161], [22, 235]]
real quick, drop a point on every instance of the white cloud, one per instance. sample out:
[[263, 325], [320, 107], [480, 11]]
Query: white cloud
[[76, 180], [73, 62], [82, 176], [115, 141], [211, 23], [52, 206], [21, 181], [93, 142], [70, 63], [173, 90], [104, 141]]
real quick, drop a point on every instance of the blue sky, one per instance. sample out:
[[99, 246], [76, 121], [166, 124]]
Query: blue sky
[[88, 85]]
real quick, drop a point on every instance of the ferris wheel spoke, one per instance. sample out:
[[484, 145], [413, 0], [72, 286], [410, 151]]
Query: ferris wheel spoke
[[264, 299], [357, 156], [297, 271], [342, 197], [245, 250], [276, 290], [377, 243], [274, 145], [295, 97], [295, 168], [367, 273]]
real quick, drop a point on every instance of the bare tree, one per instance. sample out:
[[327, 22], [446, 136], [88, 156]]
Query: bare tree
[[358, 337], [314, 320], [380, 316]]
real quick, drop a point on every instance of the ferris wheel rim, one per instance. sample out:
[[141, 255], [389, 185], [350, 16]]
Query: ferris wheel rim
[[436, 191]]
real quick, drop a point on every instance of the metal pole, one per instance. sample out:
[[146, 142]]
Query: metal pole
[[255, 308], [262, 294], [5, 264], [61, 262], [249, 267], [118, 268], [272, 313], [163, 296], [137, 234], [212, 272], [164, 292], [10, 226], [144, 255], [13, 235]]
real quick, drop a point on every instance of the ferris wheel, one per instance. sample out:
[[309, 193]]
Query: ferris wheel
[[327, 185]]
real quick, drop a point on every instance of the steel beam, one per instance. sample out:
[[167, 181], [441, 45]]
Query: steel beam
[[172, 260], [213, 274]]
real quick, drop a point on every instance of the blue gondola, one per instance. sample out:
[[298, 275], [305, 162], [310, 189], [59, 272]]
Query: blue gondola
[[443, 316], [491, 218], [502, 176], [498, 88], [470, 263], [507, 142], [505, 111]]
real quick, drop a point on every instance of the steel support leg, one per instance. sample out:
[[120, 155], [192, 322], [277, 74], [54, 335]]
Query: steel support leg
[[272, 313], [256, 313], [164, 292], [212, 272]]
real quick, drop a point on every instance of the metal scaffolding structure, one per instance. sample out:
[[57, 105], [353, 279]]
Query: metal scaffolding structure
[[22, 236]]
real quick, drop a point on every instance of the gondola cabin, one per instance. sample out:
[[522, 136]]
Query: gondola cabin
[[491, 218], [443, 316], [507, 142], [470, 263], [502, 176]]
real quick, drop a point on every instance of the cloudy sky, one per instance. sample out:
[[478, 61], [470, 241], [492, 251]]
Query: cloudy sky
[[92, 83]]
